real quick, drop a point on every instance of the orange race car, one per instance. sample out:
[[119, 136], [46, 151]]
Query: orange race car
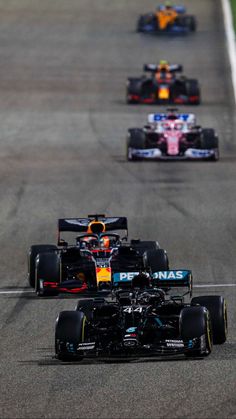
[[167, 19]]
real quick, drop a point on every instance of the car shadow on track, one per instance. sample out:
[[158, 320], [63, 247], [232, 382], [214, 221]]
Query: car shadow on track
[[220, 353]]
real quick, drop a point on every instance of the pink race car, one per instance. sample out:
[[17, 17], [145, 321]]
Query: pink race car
[[172, 136]]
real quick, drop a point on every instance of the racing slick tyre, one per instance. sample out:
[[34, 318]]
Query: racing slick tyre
[[35, 250], [133, 88], [136, 139], [216, 305], [156, 260], [195, 322], [193, 89], [86, 306], [140, 24], [189, 21], [209, 141], [143, 246], [192, 22], [48, 268], [147, 19], [70, 328]]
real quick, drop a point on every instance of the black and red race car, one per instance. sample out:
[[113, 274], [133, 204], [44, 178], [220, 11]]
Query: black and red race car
[[90, 264], [163, 86]]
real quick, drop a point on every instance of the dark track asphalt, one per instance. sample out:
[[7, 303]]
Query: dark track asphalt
[[63, 67]]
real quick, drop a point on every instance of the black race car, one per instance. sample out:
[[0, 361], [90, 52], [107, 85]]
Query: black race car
[[163, 86], [143, 320], [90, 264]]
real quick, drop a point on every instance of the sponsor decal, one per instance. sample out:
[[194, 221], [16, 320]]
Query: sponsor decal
[[147, 153], [171, 343], [156, 117], [175, 345], [164, 92], [130, 342], [190, 344], [86, 346], [124, 276], [195, 153], [131, 330], [70, 347], [171, 275]]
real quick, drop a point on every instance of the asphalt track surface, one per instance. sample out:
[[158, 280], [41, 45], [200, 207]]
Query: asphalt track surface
[[63, 119]]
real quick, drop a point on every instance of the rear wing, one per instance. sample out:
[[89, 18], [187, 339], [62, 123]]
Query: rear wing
[[159, 117], [154, 67], [160, 279], [172, 279], [85, 225]]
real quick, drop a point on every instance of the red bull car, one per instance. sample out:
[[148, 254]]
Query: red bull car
[[172, 136], [99, 252], [163, 86]]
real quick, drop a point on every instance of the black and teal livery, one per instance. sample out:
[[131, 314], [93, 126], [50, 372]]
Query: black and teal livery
[[142, 319]]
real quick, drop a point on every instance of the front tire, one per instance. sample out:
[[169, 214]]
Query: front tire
[[133, 88], [216, 305], [69, 332], [190, 22], [136, 139], [48, 268], [195, 322], [209, 141], [35, 250]]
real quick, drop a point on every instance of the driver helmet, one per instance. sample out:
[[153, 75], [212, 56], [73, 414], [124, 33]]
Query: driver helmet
[[141, 281], [89, 242], [163, 65], [168, 5], [105, 242]]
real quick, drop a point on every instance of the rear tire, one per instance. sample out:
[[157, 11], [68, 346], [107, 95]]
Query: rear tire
[[143, 246], [193, 89], [70, 327], [156, 260], [86, 306], [133, 88], [216, 305], [195, 322], [35, 250], [48, 268]]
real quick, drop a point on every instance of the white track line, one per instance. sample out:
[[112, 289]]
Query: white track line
[[231, 41], [16, 292], [213, 285]]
